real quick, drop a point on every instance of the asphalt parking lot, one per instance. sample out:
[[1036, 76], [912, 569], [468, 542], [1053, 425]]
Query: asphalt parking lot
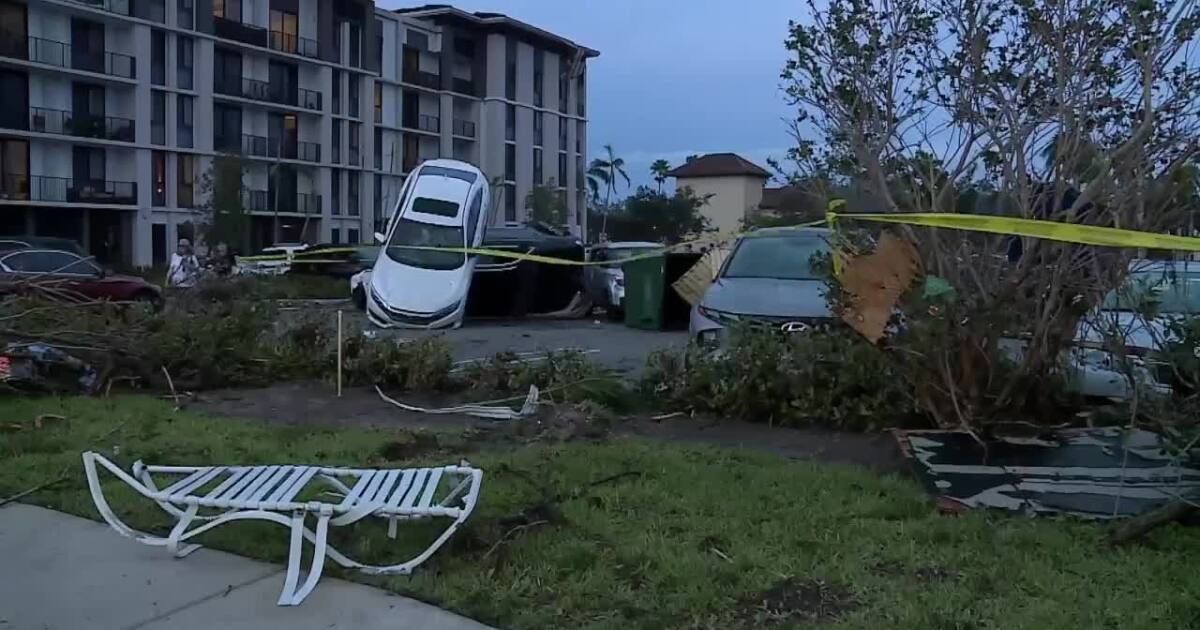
[[613, 345]]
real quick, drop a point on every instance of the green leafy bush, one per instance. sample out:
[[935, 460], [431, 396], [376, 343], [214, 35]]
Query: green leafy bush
[[833, 379]]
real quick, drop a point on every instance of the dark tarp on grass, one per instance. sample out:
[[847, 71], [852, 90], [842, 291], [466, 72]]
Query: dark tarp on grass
[[1083, 472]]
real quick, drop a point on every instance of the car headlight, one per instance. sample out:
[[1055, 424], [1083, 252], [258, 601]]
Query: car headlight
[[709, 338], [618, 282], [720, 317]]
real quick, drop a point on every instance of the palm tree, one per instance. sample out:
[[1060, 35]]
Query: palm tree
[[660, 168], [605, 170]]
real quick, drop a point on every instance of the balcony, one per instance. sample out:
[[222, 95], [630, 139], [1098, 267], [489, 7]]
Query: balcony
[[462, 86], [56, 121], [240, 31], [255, 200], [288, 43], [429, 80], [55, 53], [66, 190], [304, 203], [120, 7], [309, 99], [255, 145], [353, 157], [464, 128], [152, 10]]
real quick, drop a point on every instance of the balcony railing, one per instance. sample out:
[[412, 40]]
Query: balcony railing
[[431, 80], [158, 133], [255, 145], [66, 190], [255, 200], [120, 7], [288, 43], [308, 203], [56, 53], [309, 99], [308, 151], [62, 122], [462, 86], [153, 10], [464, 128], [240, 31], [353, 157]]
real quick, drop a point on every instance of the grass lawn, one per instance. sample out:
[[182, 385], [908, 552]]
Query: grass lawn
[[699, 540]]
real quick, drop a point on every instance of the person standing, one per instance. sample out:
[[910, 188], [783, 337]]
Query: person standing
[[184, 269]]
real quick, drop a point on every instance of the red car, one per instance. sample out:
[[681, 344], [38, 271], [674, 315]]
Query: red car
[[76, 273]]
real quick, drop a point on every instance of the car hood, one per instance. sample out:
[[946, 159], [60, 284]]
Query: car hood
[[768, 297], [1136, 330], [418, 290]]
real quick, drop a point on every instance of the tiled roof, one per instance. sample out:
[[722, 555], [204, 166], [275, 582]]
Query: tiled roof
[[719, 165]]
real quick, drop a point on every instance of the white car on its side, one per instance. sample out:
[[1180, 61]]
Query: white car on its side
[[444, 204]]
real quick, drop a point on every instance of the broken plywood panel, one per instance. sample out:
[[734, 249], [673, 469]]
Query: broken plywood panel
[[873, 284], [694, 282]]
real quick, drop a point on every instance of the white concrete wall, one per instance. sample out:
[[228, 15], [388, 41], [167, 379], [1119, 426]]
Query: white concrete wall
[[731, 197]]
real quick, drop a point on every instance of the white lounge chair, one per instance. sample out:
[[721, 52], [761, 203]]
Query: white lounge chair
[[269, 493]]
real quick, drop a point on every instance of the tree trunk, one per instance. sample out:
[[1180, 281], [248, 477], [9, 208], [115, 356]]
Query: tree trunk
[[1139, 526]]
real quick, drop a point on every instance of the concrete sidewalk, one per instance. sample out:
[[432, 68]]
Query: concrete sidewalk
[[62, 572]]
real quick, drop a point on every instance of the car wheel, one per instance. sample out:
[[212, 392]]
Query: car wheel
[[150, 299], [359, 297]]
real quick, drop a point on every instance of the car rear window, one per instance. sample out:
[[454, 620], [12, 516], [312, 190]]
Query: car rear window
[[437, 207]]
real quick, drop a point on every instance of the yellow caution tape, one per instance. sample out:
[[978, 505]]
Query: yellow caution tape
[[1050, 230], [298, 258]]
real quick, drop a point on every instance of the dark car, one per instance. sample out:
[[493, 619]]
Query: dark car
[[339, 261], [74, 273], [10, 243]]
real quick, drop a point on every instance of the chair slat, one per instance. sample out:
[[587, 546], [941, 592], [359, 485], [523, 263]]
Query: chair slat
[[292, 485], [430, 487], [415, 491], [272, 484], [358, 488], [401, 488], [198, 482], [235, 475], [247, 479], [249, 490]]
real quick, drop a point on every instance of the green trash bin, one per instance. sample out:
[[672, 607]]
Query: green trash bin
[[644, 287]]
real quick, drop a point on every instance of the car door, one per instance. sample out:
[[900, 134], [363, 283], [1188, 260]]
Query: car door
[[476, 219], [67, 270]]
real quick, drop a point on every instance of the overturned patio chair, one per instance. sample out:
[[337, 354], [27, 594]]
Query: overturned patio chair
[[269, 493]]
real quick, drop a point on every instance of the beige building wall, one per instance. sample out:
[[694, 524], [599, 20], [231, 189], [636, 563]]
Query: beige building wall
[[732, 198]]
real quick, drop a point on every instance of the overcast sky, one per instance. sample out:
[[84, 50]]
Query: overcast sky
[[674, 77]]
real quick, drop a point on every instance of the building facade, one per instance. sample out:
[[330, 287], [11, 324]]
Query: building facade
[[112, 112], [731, 185]]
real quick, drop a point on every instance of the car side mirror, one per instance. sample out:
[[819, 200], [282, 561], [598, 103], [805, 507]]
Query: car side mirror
[[380, 238]]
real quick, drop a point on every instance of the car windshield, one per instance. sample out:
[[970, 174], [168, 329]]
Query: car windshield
[[1157, 291], [780, 257], [413, 234]]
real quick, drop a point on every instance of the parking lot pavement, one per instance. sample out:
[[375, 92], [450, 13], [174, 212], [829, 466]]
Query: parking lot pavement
[[613, 345]]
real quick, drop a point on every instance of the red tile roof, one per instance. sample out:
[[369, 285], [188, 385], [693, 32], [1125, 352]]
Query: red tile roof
[[719, 165]]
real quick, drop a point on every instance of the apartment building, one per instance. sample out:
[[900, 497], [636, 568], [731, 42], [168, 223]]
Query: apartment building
[[111, 113]]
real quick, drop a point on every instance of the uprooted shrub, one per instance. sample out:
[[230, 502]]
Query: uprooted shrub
[[834, 379], [215, 339], [565, 376]]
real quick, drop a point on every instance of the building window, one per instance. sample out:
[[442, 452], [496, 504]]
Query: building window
[[539, 128], [352, 236], [227, 128], [158, 163], [510, 122], [580, 95], [510, 162], [353, 90], [187, 180], [185, 106], [562, 169], [335, 192], [284, 31], [228, 9], [562, 134], [539, 76], [335, 236], [537, 166], [510, 76], [564, 84], [580, 134], [378, 203], [158, 117], [158, 57], [337, 91], [378, 148], [378, 102], [510, 203], [356, 44], [186, 61], [336, 141], [379, 46], [355, 159], [184, 14], [352, 193]]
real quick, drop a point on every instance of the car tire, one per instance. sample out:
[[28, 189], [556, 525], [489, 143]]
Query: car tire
[[359, 297], [149, 298]]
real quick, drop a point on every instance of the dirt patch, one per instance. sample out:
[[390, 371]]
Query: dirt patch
[[418, 444], [797, 599], [316, 403]]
